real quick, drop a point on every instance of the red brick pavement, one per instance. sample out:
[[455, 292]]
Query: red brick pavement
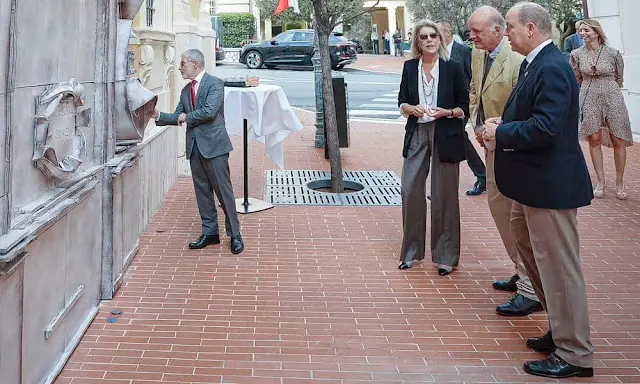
[[379, 63], [316, 296]]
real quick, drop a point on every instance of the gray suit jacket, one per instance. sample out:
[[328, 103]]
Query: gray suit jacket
[[205, 124]]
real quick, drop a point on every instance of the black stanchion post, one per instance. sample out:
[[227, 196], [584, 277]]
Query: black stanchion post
[[246, 165], [247, 204]]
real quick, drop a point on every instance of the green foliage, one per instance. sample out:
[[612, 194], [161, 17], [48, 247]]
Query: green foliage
[[267, 7], [360, 29], [237, 27], [294, 25], [563, 12]]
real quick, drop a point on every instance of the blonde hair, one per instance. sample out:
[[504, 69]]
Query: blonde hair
[[595, 25], [415, 47]]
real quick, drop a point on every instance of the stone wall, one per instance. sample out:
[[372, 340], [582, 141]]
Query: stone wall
[[71, 209]]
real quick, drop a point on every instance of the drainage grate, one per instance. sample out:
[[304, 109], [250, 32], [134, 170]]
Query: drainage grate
[[290, 188]]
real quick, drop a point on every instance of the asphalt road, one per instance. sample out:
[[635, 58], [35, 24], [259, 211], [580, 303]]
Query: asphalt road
[[371, 95]]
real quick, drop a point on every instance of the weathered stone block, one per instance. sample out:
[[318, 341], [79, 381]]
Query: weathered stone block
[[44, 298], [11, 326]]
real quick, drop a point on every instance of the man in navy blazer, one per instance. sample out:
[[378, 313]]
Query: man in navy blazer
[[539, 164]]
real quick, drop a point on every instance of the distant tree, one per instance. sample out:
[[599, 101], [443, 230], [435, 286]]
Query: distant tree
[[563, 12], [267, 7]]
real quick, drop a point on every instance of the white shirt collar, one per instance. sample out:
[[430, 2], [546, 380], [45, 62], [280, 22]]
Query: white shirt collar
[[199, 77], [532, 55], [449, 48]]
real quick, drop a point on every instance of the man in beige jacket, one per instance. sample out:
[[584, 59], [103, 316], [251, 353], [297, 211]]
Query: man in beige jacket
[[495, 68]]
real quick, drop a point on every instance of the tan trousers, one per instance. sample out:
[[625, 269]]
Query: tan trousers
[[500, 207], [445, 207], [548, 242]]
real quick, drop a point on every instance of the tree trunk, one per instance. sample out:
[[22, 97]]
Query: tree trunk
[[331, 123]]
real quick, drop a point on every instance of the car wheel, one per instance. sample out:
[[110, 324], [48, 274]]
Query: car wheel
[[253, 59]]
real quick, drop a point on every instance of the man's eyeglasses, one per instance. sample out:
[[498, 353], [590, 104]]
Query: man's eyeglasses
[[432, 35]]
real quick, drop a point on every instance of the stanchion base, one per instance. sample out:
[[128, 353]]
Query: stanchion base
[[255, 205]]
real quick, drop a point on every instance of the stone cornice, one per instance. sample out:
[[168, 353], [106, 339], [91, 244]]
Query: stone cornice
[[154, 34]]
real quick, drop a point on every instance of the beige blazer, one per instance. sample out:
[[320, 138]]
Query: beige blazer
[[501, 80]]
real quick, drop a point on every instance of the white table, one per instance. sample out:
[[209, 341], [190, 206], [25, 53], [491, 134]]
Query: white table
[[264, 114]]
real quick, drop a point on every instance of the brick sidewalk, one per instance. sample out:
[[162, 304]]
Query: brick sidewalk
[[316, 296], [379, 63]]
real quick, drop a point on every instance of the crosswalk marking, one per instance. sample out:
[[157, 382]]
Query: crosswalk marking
[[391, 107], [373, 112]]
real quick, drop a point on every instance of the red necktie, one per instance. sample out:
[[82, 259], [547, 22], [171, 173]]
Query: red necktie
[[193, 93]]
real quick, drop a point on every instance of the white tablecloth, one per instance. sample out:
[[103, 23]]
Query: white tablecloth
[[269, 116]]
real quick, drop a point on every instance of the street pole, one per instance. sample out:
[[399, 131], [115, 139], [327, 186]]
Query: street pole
[[317, 77]]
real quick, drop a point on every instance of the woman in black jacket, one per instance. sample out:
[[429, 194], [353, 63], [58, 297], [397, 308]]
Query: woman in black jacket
[[434, 97]]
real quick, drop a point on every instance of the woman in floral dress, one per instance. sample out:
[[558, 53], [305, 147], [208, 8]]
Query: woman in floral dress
[[604, 117]]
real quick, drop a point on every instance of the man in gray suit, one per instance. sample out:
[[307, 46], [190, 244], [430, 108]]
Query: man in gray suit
[[201, 107]]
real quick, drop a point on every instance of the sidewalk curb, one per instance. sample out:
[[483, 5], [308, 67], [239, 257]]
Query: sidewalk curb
[[359, 119]]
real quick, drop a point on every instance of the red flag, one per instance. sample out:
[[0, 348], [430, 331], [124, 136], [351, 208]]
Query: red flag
[[283, 5]]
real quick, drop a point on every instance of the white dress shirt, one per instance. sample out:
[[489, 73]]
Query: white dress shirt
[[532, 55], [435, 74], [198, 79], [450, 48]]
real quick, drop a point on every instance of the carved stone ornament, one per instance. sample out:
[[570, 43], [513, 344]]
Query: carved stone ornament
[[146, 63], [59, 144]]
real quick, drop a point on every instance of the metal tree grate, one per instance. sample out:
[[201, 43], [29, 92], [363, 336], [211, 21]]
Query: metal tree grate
[[381, 188]]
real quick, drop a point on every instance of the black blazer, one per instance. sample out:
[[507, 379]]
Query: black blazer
[[452, 92], [462, 54], [538, 160]]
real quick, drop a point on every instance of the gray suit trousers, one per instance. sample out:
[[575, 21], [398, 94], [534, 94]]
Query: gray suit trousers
[[445, 207], [209, 176]]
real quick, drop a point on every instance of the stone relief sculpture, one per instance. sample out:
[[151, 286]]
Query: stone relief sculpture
[[59, 143], [146, 61], [169, 59]]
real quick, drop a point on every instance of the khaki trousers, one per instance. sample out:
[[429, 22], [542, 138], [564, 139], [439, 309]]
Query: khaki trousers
[[500, 207], [445, 207], [548, 242]]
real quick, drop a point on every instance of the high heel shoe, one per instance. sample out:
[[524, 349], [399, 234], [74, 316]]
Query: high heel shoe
[[620, 193], [599, 191]]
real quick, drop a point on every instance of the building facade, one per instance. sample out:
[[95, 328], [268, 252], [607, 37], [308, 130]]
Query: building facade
[[617, 18]]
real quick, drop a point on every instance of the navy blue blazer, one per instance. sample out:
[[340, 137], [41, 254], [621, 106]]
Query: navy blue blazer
[[538, 160], [449, 137]]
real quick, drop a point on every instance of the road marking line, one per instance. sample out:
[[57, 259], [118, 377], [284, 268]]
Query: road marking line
[[380, 106], [385, 100], [372, 112]]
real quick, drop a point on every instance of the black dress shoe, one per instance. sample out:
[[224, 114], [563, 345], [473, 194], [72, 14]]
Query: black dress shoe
[[405, 265], [478, 188], [519, 305], [204, 240], [507, 285], [543, 343], [444, 272], [553, 366], [237, 245]]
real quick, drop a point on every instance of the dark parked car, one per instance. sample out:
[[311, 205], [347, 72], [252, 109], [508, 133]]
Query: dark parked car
[[219, 53], [295, 48]]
